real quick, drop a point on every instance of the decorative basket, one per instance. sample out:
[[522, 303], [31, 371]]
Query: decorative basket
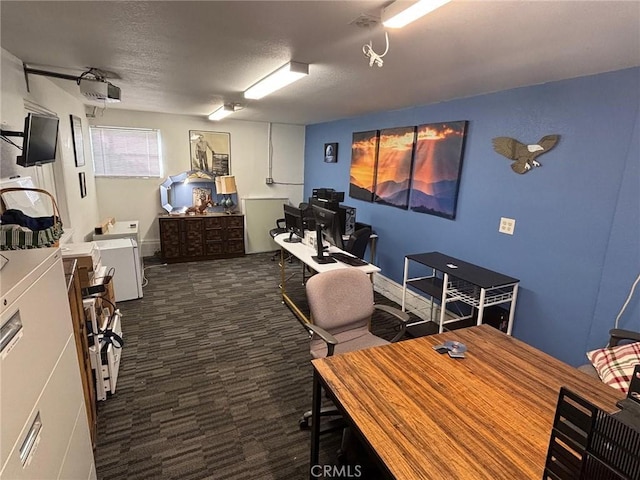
[[15, 237]]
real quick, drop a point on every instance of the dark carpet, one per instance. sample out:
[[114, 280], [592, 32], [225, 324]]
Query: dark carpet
[[214, 376]]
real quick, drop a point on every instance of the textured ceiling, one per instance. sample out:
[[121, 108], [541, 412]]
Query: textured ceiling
[[190, 57]]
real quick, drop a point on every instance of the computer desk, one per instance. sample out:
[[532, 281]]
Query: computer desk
[[304, 253], [425, 415]]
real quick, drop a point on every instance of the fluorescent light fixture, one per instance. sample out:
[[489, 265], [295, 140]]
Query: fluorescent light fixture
[[222, 112], [401, 13], [282, 77]]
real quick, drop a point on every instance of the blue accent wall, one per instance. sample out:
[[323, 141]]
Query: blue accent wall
[[576, 246]]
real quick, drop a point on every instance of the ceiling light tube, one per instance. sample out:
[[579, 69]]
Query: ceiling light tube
[[282, 77], [401, 13], [222, 112]]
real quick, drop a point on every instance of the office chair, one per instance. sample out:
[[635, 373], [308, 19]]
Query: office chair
[[341, 304], [358, 241], [274, 232]]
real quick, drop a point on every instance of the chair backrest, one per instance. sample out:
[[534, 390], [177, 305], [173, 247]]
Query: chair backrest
[[340, 300], [358, 242]]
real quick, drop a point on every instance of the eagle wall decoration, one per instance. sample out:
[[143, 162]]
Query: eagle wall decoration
[[524, 156]]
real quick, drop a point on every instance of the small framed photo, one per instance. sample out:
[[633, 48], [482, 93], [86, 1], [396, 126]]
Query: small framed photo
[[76, 136], [330, 152], [83, 185]]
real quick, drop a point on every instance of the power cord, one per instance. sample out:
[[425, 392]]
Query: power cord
[[633, 287], [375, 58]]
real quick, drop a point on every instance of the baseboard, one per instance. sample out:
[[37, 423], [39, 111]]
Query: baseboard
[[148, 248]]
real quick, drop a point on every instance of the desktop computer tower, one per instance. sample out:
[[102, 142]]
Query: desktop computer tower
[[347, 217], [346, 214]]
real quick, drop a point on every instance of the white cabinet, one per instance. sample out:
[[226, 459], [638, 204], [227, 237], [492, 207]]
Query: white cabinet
[[44, 431]]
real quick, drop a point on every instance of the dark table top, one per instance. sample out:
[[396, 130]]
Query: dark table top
[[468, 272]]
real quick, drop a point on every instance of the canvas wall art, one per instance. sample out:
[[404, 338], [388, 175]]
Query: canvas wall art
[[437, 167], [330, 152], [364, 151], [393, 174], [210, 152]]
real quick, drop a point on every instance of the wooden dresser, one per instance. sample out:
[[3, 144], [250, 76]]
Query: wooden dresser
[[186, 238]]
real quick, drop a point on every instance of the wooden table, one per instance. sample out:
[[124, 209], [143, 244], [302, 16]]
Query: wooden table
[[425, 415]]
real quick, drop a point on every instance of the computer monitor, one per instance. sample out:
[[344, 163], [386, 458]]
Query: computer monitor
[[327, 227], [294, 223]]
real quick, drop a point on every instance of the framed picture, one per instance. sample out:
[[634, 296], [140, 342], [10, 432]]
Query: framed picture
[[437, 168], [331, 152], [83, 185], [364, 158], [76, 136], [201, 196], [393, 173], [210, 152]]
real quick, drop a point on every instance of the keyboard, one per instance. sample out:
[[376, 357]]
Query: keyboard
[[348, 259]]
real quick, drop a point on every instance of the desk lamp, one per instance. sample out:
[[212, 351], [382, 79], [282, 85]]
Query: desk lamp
[[226, 185]]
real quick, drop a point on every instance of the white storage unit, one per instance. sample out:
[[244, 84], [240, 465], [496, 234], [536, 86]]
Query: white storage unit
[[125, 229], [44, 431], [123, 255]]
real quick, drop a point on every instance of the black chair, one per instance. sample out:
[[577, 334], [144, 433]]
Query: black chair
[[358, 241], [274, 232]]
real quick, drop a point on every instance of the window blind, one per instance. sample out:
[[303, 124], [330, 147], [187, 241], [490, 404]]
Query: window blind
[[125, 152]]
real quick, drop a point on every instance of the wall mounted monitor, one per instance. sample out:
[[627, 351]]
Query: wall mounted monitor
[[40, 140]]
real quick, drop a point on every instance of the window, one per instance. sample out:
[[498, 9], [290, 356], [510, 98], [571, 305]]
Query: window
[[125, 152]]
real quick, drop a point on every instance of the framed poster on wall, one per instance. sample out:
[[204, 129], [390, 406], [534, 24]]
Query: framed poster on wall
[[78, 144], [210, 152]]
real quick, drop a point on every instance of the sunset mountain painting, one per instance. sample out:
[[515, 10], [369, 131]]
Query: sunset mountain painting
[[393, 175], [436, 168], [364, 156]]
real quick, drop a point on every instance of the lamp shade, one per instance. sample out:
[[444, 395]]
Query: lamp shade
[[226, 184]]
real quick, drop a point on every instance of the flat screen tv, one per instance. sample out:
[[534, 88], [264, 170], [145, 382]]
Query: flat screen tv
[[40, 140]]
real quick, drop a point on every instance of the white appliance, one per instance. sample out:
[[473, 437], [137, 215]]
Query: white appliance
[[123, 255], [125, 229]]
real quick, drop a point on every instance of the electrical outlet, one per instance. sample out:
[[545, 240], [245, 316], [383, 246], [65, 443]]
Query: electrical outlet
[[507, 225], [269, 181]]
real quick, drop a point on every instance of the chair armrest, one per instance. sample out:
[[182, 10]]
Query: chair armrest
[[281, 223], [329, 339], [618, 334], [399, 315]]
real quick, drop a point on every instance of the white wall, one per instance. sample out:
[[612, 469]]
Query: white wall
[[139, 199], [61, 177]]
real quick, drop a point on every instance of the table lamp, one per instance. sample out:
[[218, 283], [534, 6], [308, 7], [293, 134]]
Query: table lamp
[[226, 185]]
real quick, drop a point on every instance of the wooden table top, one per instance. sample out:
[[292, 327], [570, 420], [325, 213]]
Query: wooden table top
[[429, 416]]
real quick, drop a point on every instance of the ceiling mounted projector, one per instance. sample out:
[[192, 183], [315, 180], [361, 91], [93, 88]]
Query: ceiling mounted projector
[[99, 90]]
